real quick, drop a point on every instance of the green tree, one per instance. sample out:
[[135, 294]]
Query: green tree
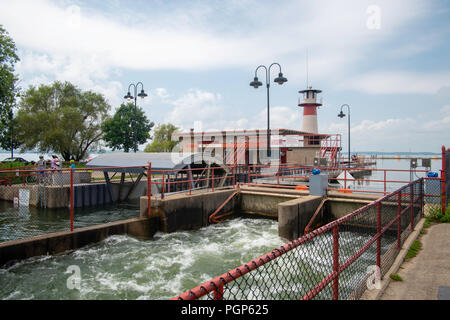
[[61, 118], [8, 89], [119, 130], [162, 141]]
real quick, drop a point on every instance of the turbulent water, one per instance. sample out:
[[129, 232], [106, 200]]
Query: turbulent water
[[122, 267]]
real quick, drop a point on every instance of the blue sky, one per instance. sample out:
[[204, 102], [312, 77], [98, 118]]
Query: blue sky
[[389, 60]]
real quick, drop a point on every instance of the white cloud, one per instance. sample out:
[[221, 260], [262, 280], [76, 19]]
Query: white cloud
[[209, 35], [208, 108], [195, 105], [396, 134], [388, 82]]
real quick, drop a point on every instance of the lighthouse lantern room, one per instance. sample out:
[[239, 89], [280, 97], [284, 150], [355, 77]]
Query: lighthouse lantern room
[[310, 106]]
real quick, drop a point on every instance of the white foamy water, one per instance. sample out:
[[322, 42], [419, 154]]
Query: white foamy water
[[122, 267]]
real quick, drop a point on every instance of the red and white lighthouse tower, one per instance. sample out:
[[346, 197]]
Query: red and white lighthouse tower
[[310, 106]]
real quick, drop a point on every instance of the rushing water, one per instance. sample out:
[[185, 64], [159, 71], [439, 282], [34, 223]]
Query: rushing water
[[122, 267]]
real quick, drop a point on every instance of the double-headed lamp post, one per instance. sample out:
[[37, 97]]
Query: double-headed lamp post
[[341, 115], [256, 83], [129, 97]]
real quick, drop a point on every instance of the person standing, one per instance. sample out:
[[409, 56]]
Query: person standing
[[55, 164], [41, 166]]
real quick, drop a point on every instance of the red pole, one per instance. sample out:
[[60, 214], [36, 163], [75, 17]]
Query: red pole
[[71, 200], [384, 181], [190, 180], [412, 206], [345, 178], [422, 191], [379, 235], [149, 188], [443, 171], [212, 178], [336, 261], [163, 183], [234, 176], [399, 219]]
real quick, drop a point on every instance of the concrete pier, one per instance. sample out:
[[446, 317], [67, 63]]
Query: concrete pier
[[292, 208]]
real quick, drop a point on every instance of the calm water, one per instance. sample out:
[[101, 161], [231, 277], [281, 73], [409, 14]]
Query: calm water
[[396, 164], [24, 222]]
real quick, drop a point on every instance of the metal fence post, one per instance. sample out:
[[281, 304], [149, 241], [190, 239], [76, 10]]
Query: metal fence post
[[190, 180], [345, 178], [149, 188], [71, 199], [412, 206], [379, 235], [212, 178], [163, 184], [443, 176], [234, 176], [422, 191], [399, 219], [336, 261]]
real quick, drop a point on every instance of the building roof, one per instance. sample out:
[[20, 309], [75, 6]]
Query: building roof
[[253, 132], [136, 162], [310, 90]]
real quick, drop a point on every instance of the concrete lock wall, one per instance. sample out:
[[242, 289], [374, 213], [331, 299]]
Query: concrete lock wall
[[187, 212], [294, 216], [59, 242], [293, 211], [264, 204]]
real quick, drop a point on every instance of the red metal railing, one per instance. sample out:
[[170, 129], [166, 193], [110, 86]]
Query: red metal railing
[[194, 178], [228, 285], [292, 173], [28, 178]]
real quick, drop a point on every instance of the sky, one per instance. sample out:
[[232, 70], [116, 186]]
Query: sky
[[388, 60]]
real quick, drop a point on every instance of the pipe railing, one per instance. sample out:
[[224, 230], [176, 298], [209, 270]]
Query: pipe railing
[[227, 284]]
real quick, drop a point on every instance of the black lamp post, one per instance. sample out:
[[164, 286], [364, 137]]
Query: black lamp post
[[129, 97], [341, 115], [256, 83]]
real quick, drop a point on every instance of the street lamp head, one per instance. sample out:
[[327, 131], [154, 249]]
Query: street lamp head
[[256, 83], [129, 97], [341, 114], [280, 79], [142, 94]]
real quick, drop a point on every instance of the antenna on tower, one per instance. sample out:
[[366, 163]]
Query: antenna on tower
[[307, 71]]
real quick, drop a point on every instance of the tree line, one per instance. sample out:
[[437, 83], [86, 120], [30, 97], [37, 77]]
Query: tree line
[[61, 118]]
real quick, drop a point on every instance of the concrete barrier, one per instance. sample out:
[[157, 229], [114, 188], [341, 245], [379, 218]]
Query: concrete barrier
[[293, 209], [187, 212], [294, 216], [262, 203]]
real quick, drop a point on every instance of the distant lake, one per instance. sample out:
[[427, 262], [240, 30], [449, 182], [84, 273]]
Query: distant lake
[[31, 156]]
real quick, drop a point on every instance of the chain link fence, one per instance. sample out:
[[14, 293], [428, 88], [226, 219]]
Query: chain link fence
[[433, 196], [38, 201], [331, 262]]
